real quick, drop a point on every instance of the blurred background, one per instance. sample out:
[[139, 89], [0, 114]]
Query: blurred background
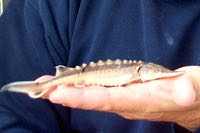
[[3, 4]]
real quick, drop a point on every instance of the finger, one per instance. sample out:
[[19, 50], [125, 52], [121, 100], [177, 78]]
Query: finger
[[141, 97], [183, 92], [193, 72], [94, 97]]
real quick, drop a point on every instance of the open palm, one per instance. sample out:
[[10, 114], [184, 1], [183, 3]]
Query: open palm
[[173, 99]]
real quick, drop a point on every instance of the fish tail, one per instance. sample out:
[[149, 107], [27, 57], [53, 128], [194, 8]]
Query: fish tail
[[34, 89]]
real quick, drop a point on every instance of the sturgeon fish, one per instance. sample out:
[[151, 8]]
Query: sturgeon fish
[[106, 73]]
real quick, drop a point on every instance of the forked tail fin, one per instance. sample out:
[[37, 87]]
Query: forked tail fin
[[32, 88]]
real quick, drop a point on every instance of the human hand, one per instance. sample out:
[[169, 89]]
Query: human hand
[[173, 99]]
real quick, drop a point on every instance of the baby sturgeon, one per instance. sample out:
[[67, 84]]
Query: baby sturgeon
[[102, 73]]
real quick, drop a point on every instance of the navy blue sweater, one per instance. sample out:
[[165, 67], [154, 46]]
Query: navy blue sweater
[[37, 35]]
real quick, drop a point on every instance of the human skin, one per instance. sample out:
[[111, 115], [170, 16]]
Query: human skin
[[174, 99]]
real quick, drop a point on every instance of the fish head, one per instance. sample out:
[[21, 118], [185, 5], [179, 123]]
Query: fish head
[[151, 71]]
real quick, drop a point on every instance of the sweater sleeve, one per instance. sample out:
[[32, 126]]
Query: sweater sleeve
[[32, 43]]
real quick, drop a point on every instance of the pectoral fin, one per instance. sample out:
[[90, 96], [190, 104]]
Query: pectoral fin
[[80, 83]]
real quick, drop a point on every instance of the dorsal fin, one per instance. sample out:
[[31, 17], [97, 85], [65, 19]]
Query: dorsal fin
[[60, 69]]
